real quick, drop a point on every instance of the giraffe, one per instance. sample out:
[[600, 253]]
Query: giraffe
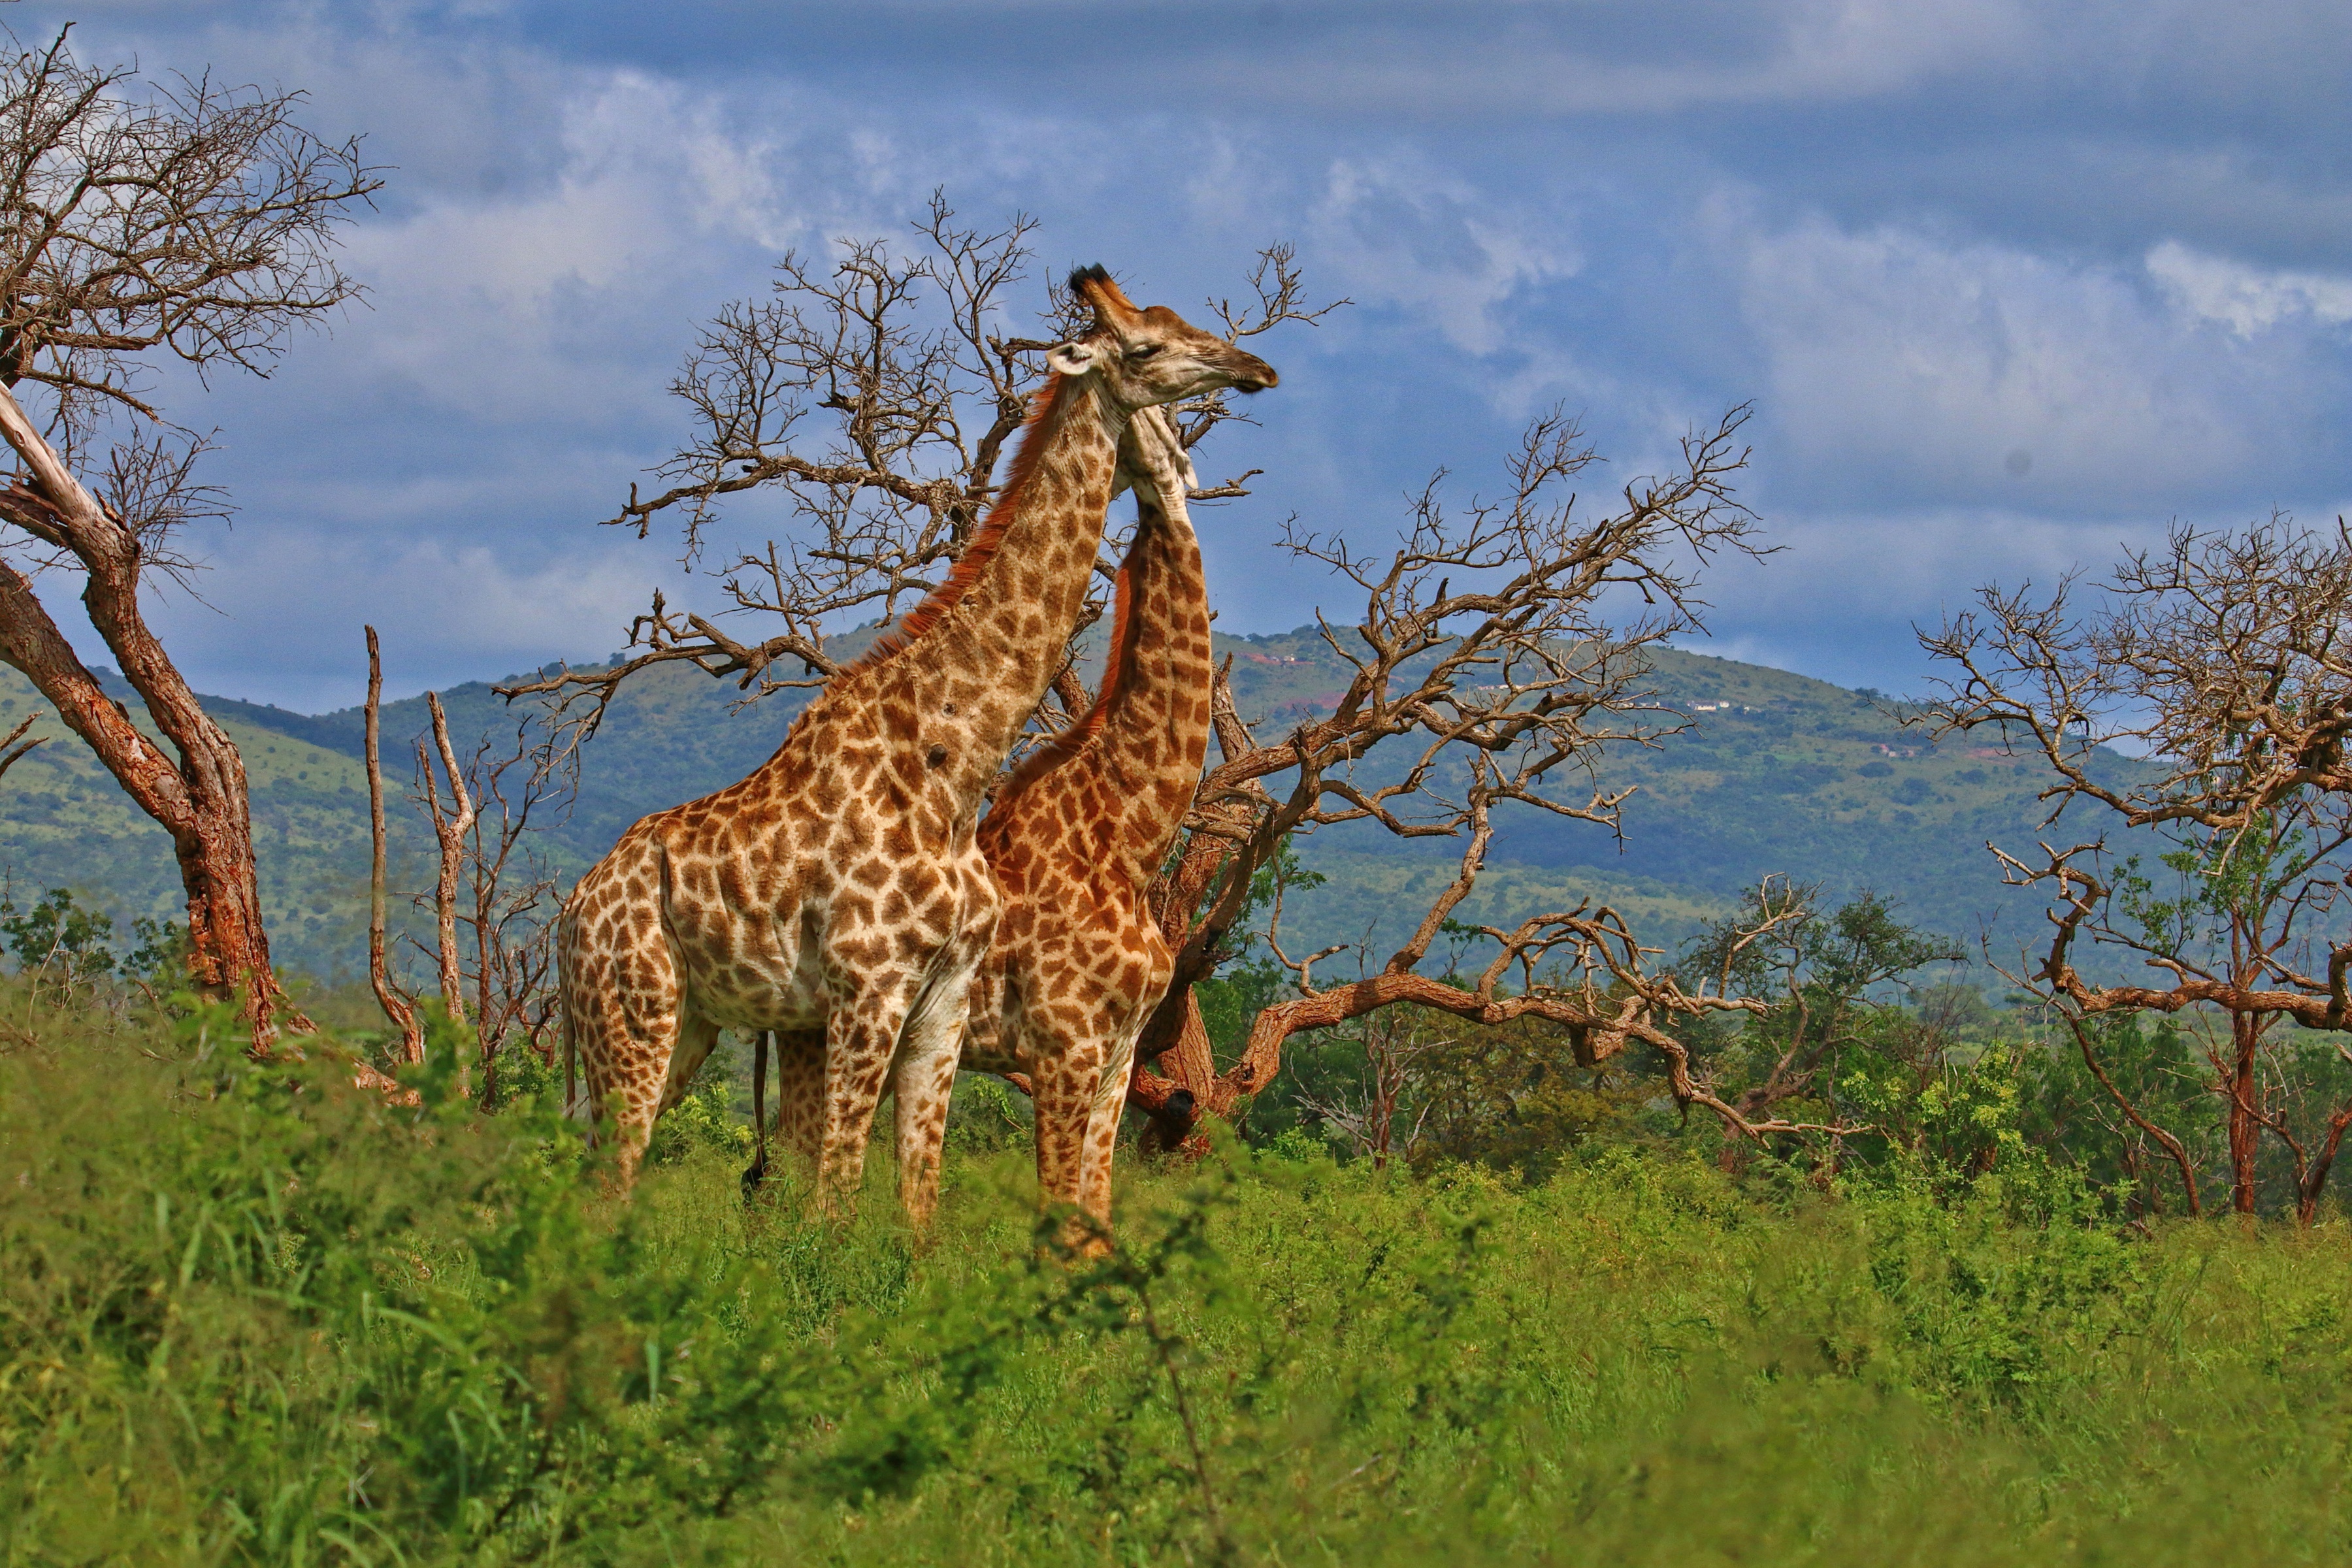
[[1074, 838], [840, 886]]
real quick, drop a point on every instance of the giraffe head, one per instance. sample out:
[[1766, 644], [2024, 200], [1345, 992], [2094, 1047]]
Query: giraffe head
[[1150, 356]]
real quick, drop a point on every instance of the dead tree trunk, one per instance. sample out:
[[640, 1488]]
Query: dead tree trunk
[[450, 827], [199, 798], [388, 996]]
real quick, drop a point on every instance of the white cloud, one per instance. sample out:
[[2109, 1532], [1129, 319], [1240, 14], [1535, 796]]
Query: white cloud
[[492, 304], [1402, 232], [2248, 300], [1981, 373]]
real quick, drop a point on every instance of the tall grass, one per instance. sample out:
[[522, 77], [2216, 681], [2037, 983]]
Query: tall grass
[[247, 1315]]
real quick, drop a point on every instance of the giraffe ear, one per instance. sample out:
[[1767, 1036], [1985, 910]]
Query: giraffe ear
[[1074, 358]]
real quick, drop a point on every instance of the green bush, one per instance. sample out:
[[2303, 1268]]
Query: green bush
[[249, 1314]]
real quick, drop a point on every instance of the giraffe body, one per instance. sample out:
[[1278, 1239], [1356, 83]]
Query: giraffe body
[[839, 892], [1077, 963]]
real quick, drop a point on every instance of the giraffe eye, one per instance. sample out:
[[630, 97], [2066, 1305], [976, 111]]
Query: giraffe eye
[[1143, 350]]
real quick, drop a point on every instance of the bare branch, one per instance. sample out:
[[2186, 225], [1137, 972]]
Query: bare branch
[[396, 1003], [2223, 659], [449, 828], [11, 753]]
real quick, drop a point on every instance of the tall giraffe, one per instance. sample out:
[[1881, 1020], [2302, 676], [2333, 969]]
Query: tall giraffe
[[1074, 839], [840, 886]]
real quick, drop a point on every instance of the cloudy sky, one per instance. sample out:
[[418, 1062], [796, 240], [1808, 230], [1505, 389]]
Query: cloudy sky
[[2008, 284]]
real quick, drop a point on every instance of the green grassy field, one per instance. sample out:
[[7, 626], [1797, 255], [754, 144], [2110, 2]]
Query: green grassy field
[[248, 1316]]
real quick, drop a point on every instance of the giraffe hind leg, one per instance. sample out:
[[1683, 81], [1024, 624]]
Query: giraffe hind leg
[[627, 1030], [1108, 1104], [799, 1082], [756, 1171]]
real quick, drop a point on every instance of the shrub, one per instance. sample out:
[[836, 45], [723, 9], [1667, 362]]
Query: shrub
[[249, 1314]]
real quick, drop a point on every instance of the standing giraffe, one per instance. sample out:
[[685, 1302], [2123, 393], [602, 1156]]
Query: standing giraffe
[[1074, 839], [840, 886]]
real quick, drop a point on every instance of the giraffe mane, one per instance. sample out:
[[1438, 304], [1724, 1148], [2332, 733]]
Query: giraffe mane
[[1125, 632], [984, 539]]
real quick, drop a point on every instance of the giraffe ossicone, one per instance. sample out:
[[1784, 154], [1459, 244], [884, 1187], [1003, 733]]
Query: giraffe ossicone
[[840, 887]]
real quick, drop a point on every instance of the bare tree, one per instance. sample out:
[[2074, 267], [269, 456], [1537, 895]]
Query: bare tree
[[1485, 652], [397, 1005], [193, 220], [510, 896], [2224, 658], [489, 880], [874, 398], [450, 827]]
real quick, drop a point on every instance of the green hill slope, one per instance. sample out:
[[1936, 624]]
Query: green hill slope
[[1778, 774], [64, 823]]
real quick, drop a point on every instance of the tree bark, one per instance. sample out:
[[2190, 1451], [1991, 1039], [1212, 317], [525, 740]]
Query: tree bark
[[2315, 1179], [200, 799], [450, 828], [2245, 1126], [387, 995]]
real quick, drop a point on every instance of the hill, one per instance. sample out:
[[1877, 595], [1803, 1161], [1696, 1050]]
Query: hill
[[1777, 774]]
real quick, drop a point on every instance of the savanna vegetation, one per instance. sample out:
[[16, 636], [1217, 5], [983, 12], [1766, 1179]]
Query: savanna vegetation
[[250, 1314], [1489, 1197]]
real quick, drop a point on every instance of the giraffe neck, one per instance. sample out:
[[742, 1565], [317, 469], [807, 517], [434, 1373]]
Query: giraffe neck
[[1151, 724], [976, 657]]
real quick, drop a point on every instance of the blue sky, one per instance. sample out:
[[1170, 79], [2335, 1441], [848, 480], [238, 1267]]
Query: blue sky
[[2009, 285]]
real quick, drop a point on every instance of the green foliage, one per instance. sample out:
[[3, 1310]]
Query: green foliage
[[247, 1314], [985, 1117], [705, 1120], [59, 944], [57, 937], [1516, 1100]]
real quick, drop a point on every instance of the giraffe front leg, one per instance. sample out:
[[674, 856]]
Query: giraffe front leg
[[923, 1083], [860, 1042]]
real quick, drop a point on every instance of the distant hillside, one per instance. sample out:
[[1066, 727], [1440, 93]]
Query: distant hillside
[[1778, 774]]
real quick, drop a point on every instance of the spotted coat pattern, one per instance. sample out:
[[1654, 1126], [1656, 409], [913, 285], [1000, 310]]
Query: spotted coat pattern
[[1078, 963], [840, 887], [1074, 838]]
